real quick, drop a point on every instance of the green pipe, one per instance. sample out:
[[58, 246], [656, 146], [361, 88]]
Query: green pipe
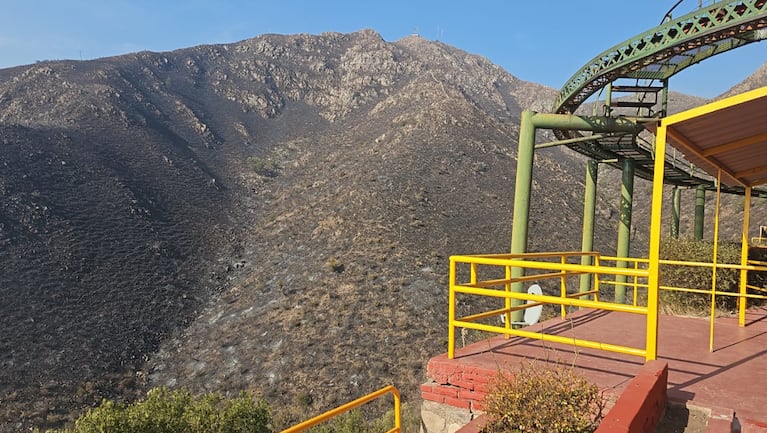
[[583, 123], [624, 226], [589, 207], [675, 211], [524, 181], [591, 137], [700, 211], [522, 190]]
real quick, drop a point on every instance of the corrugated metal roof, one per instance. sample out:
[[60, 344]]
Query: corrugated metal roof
[[730, 135]]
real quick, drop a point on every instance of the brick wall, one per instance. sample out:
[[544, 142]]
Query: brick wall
[[637, 410], [641, 405]]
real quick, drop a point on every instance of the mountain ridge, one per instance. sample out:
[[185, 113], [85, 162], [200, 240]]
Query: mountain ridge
[[274, 214]]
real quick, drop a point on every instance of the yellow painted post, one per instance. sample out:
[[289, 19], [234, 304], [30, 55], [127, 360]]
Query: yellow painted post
[[636, 282], [507, 301], [451, 313], [653, 281], [714, 260], [563, 288], [743, 301], [596, 279], [397, 410]]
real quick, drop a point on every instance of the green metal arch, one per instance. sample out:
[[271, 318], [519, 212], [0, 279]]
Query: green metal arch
[[658, 54], [669, 48]]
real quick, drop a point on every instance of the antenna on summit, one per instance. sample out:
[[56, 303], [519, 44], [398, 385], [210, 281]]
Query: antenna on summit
[[415, 31]]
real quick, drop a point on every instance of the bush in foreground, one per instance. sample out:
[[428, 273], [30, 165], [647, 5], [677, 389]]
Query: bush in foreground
[[177, 411], [543, 398]]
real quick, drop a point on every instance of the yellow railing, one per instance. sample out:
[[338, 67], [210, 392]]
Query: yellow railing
[[641, 263], [352, 405], [713, 292], [501, 287], [636, 282], [555, 265]]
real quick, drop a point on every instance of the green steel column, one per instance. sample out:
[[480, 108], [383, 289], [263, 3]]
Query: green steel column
[[676, 208], [624, 225], [700, 210], [522, 190], [589, 206]]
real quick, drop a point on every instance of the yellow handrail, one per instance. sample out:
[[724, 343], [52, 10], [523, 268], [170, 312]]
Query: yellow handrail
[[557, 268], [575, 269], [546, 299], [554, 265], [352, 405]]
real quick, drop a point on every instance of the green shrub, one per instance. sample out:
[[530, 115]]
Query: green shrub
[[165, 411], [349, 422], [727, 280], [545, 398], [263, 167]]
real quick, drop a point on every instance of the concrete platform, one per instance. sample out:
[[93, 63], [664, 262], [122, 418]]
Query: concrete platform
[[732, 378]]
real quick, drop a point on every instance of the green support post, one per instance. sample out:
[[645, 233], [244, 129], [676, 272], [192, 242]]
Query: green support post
[[529, 123], [624, 226], [675, 212], [664, 99], [589, 207], [700, 211], [524, 181]]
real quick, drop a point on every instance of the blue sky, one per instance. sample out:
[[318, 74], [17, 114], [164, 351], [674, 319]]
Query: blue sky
[[540, 41]]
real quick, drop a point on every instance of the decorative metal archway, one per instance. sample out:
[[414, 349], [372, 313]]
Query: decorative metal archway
[[655, 56]]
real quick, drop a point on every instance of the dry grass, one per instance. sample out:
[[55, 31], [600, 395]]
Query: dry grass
[[543, 397]]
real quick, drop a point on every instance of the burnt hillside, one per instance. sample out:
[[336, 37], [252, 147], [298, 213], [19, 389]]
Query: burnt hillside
[[274, 214]]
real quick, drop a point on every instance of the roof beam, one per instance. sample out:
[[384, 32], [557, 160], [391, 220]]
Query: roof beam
[[690, 146], [734, 145], [756, 171], [759, 181]]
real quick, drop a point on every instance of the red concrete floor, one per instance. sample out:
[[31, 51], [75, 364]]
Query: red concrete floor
[[733, 376]]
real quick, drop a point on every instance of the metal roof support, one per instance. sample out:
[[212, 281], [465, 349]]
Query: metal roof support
[[715, 259], [653, 264], [742, 301]]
